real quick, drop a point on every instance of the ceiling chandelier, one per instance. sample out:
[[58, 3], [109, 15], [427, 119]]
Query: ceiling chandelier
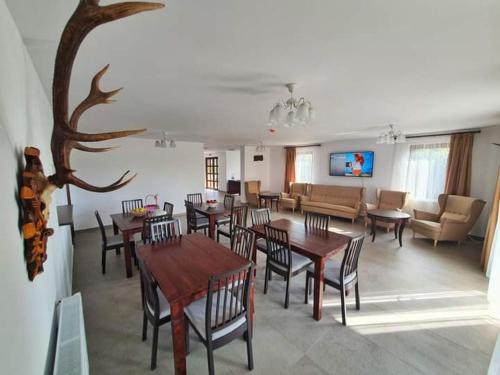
[[292, 111], [164, 142], [391, 137]]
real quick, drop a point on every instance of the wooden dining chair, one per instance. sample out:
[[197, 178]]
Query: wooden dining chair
[[224, 314], [195, 198], [155, 306], [160, 228], [238, 217], [261, 216], [243, 242], [130, 204], [342, 276], [315, 220], [169, 209], [281, 259], [228, 205], [114, 242], [195, 222]]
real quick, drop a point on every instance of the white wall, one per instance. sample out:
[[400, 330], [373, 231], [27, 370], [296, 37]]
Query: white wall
[[485, 165], [257, 170], [233, 168], [382, 168], [277, 163], [26, 308], [170, 172]]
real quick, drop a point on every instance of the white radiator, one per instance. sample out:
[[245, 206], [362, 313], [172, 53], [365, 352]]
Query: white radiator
[[71, 347]]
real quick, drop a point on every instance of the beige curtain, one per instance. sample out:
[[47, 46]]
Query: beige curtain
[[289, 168], [458, 174], [492, 224]]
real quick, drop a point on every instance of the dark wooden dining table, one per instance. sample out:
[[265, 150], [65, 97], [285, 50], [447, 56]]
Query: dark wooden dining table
[[182, 267], [128, 225], [315, 244], [212, 213]]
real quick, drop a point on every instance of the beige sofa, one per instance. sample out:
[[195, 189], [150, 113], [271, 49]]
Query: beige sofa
[[340, 201], [252, 191], [453, 222], [387, 200], [292, 199]]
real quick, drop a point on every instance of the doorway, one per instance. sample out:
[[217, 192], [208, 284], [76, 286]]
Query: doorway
[[212, 173]]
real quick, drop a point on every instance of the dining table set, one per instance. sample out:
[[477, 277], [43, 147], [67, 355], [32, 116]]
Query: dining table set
[[183, 265]]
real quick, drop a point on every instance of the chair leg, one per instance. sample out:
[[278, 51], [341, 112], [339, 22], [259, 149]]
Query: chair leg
[[218, 236], [306, 291], [287, 295], [144, 327], [249, 349], [342, 303], [117, 250], [435, 243], [210, 355], [103, 260], [356, 289], [155, 346], [266, 278]]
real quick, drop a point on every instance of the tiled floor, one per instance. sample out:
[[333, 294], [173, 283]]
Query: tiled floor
[[423, 311]]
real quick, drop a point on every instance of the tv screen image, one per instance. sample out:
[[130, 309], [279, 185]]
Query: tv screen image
[[352, 164]]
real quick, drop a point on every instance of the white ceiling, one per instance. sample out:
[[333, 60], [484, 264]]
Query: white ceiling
[[211, 70]]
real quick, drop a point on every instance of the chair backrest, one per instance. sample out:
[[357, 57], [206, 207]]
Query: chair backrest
[[160, 228], [190, 212], [228, 201], [169, 209], [238, 217], [148, 289], [298, 188], [252, 187], [315, 220], [195, 198], [278, 246], [391, 200], [227, 299], [243, 241], [130, 204], [101, 227], [351, 256], [460, 209], [261, 216]]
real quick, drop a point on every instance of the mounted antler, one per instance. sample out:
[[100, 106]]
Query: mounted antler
[[65, 135], [36, 189]]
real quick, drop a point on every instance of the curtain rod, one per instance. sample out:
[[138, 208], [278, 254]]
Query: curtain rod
[[313, 145], [441, 134]]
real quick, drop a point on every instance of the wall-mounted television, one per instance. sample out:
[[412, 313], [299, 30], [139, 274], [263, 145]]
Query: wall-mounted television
[[352, 164]]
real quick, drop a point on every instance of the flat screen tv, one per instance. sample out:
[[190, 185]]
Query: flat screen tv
[[352, 164]]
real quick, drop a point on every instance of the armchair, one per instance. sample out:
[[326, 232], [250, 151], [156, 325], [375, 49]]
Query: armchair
[[292, 199], [387, 200], [252, 191], [457, 215]]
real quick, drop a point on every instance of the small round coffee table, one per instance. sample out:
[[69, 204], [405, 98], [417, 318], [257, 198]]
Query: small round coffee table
[[268, 199], [398, 218]]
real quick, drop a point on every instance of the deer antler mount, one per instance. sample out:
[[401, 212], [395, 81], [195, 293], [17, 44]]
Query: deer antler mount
[[36, 188]]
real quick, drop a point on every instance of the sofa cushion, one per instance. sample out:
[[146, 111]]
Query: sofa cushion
[[426, 225], [329, 206], [339, 195], [457, 218]]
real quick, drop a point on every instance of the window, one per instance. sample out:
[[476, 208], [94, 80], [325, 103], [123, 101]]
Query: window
[[426, 170], [303, 166]]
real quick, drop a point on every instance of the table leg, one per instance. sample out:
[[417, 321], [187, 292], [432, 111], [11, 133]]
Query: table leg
[[401, 228], [396, 228], [128, 253], [178, 337], [211, 226], [115, 231], [373, 228], [318, 288]]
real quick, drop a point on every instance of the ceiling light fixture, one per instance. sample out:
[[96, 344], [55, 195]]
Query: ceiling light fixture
[[391, 137], [164, 142], [299, 111]]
